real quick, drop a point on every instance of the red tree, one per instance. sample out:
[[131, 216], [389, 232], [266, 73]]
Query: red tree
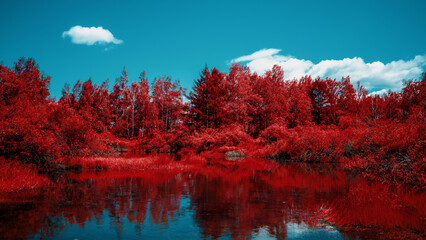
[[207, 100]]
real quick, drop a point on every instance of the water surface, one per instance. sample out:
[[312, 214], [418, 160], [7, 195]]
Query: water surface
[[292, 202]]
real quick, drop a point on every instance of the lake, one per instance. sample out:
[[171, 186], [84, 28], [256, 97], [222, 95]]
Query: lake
[[294, 201]]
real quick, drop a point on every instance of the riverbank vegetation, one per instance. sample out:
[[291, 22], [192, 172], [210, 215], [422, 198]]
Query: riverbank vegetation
[[303, 120]]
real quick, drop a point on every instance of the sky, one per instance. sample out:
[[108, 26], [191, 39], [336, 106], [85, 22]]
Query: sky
[[378, 43]]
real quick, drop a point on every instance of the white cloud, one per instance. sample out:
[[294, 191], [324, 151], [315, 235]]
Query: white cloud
[[259, 54], [381, 92], [375, 75], [90, 35]]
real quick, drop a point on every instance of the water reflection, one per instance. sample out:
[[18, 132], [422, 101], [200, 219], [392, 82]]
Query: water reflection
[[291, 202]]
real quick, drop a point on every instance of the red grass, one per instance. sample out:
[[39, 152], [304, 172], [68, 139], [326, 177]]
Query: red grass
[[153, 162], [15, 177]]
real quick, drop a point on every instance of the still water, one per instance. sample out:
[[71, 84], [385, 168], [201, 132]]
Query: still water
[[292, 202]]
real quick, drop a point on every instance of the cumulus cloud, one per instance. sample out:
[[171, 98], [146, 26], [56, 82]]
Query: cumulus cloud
[[264, 53], [381, 92], [374, 75], [90, 35]]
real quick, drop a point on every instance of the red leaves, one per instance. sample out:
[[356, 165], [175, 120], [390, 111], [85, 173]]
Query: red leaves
[[207, 100], [222, 140], [261, 115], [300, 105], [167, 97]]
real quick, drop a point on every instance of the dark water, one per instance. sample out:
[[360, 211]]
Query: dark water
[[292, 202]]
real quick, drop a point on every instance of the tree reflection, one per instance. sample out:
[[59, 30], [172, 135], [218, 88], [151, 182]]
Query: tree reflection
[[234, 202]]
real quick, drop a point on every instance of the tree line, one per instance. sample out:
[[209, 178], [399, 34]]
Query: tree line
[[304, 119]]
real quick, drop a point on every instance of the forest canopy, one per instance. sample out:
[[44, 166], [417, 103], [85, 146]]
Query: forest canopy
[[306, 119]]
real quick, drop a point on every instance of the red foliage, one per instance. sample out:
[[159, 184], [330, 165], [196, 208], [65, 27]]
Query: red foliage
[[207, 110], [15, 177], [222, 140], [300, 105], [267, 116]]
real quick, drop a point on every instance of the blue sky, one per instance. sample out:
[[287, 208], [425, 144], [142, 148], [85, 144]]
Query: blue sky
[[179, 38]]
